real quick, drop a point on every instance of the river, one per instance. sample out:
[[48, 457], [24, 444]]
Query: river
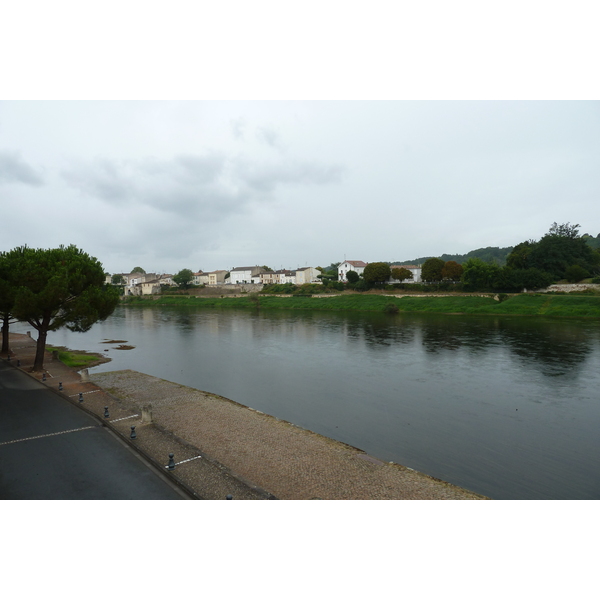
[[504, 406]]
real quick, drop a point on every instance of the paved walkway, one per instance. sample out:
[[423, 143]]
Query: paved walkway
[[221, 447], [51, 450]]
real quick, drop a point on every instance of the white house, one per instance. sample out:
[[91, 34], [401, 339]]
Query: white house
[[358, 266], [245, 275]]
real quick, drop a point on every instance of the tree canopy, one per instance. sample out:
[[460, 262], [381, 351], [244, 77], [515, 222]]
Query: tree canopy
[[352, 276], [8, 289], [377, 272], [184, 278], [452, 270], [60, 287], [400, 273], [432, 269], [559, 249], [138, 270]]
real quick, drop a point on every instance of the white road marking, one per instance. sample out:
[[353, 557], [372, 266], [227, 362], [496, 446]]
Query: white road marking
[[123, 418], [184, 461], [90, 392], [36, 437]]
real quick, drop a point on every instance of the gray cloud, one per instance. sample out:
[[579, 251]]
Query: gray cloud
[[237, 128], [269, 136], [105, 179], [14, 169], [266, 178], [208, 187]]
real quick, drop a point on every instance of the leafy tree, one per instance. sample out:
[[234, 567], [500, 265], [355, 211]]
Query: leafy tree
[[267, 269], [400, 273], [479, 275], [564, 230], [117, 279], [60, 287], [452, 270], [138, 270], [352, 276], [184, 278], [575, 273], [377, 272], [519, 257], [560, 248], [515, 280], [8, 279], [432, 269]]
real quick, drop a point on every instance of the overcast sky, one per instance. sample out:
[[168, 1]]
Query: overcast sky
[[356, 167], [213, 185]]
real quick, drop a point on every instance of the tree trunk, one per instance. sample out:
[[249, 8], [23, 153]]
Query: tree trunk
[[5, 344], [38, 364]]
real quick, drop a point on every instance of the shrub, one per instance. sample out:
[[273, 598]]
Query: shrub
[[391, 308], [575, 273]]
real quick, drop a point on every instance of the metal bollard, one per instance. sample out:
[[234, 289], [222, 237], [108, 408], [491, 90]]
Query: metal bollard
[[43, 376], [8, 357], [133, 434], [80, 396], [18, 362], [171, 464], [60, 389], [229, 497], [106, 415]]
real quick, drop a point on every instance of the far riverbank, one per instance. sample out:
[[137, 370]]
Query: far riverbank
[[546, 305]]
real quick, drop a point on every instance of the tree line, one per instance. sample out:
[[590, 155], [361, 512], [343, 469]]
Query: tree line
[[50, 289], [560, 254]]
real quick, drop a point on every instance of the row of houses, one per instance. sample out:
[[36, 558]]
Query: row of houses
[[358, 266], [138, 284], [141, 284]]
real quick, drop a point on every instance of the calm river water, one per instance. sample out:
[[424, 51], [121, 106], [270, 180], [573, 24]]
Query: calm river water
[[507, 407]]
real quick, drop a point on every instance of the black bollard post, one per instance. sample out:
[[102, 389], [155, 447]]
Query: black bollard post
[[80, 396], [171, 464], [229, 497], [8, 357], [18, 362], [43, 376], [60, 386], [133, 434], [106, 415]]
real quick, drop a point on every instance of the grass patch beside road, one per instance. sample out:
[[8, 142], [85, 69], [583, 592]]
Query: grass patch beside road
[[77, 360]]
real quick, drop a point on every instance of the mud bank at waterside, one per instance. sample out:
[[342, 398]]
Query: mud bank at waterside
[[285, 460]]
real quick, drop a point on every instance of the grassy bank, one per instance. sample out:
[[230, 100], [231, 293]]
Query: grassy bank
[[523, 304], [77, 360]]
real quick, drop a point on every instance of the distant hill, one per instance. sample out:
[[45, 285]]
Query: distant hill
[[594, 242], [491, 254]]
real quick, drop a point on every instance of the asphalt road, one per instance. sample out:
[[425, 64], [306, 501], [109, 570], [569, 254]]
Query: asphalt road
[[71, 456]]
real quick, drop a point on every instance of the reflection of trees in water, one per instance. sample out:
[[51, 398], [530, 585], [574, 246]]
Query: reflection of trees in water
[[452, 333], [555, 348], [383, 331], [558, 348]]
